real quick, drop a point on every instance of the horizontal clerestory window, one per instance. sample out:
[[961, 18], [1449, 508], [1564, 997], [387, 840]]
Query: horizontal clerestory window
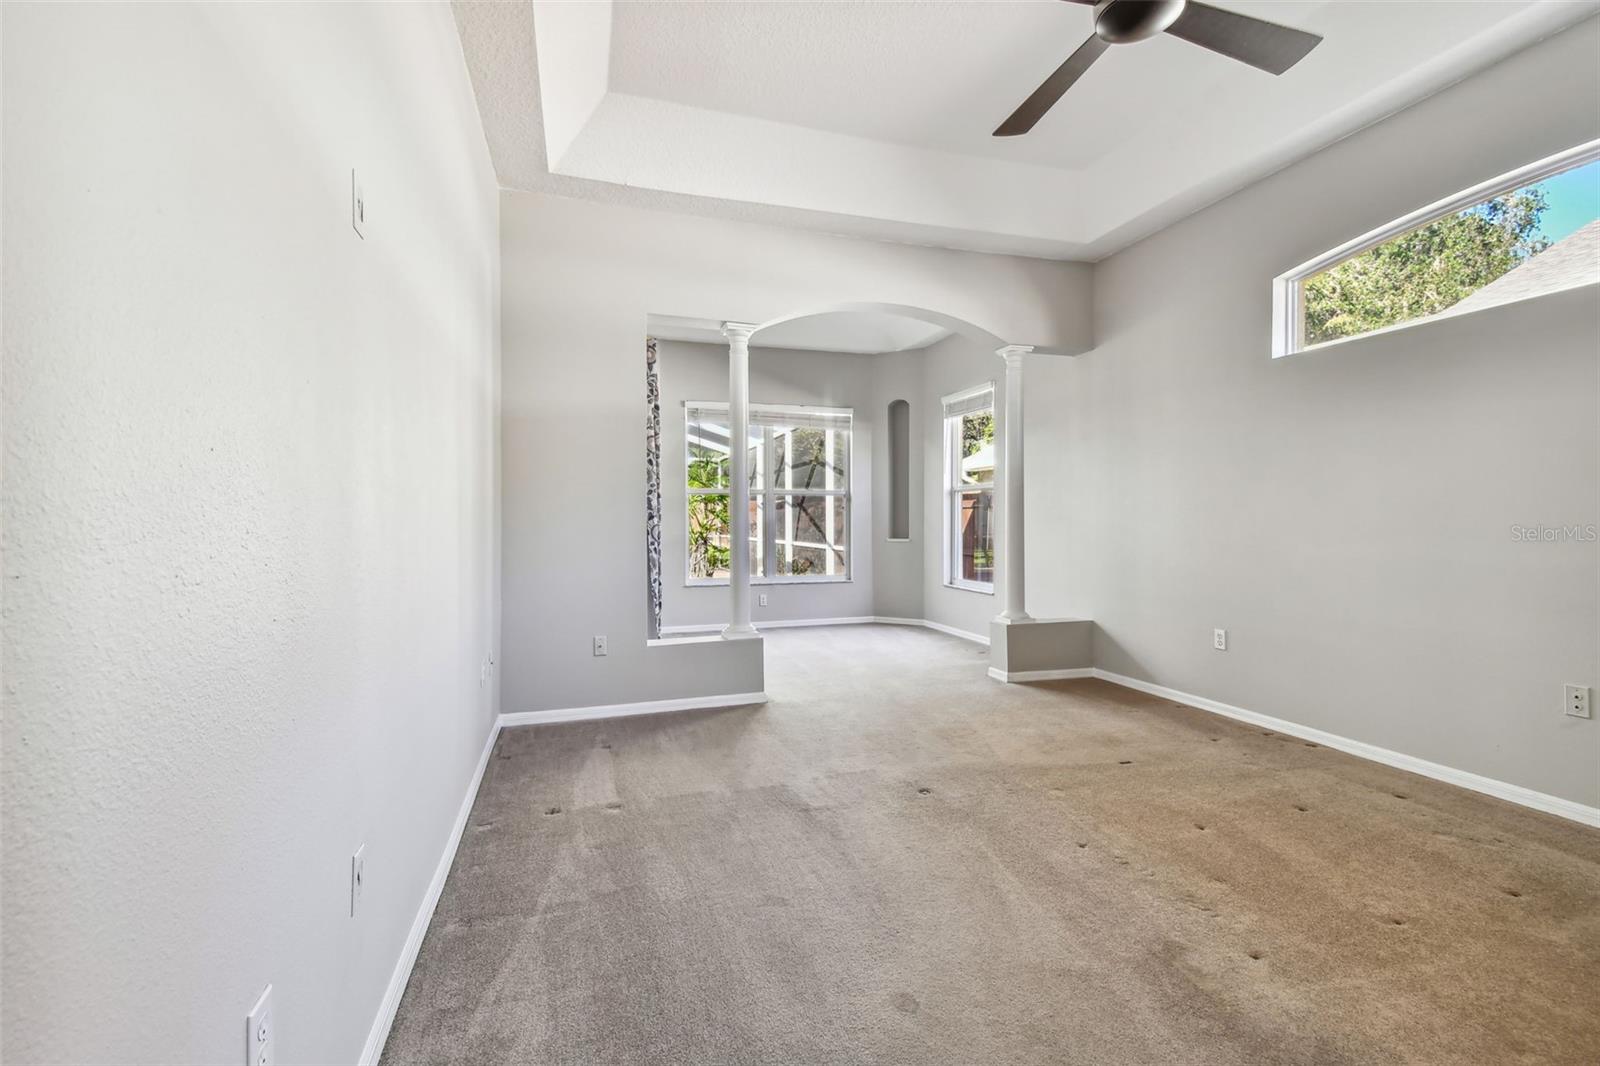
[[1533, 231]]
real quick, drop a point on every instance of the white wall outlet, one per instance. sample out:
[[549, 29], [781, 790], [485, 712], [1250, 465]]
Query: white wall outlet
[[259, 1039], [1219, 639], [1578, 701], [358, 877], [763, 599], [599, 645], [358, 206]]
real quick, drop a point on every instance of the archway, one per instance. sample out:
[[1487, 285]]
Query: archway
[[975, 333]]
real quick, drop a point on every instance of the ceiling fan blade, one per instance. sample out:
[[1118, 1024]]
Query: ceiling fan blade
[[1045, 96], [1262, 44]]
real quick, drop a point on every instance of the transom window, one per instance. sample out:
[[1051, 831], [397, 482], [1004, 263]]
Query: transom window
[[799, 461], [1533, 231], [969, 488]]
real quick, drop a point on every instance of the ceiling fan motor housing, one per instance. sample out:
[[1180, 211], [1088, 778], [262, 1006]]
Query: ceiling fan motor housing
[[1126, 21]]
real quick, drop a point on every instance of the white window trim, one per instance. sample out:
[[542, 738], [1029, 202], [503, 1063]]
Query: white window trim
[[952, 578], [1288, 311], [768, 501]]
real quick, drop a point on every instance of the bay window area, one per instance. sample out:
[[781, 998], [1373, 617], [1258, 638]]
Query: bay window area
[[799, 463]]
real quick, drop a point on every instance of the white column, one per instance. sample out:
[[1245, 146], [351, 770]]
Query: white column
[[1011, 558], [738, 334]]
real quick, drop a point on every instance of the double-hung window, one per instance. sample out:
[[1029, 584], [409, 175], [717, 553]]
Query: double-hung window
[[969, 449], [799, 461]]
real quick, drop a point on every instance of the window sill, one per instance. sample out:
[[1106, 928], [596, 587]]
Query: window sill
[[671, 642], [1426, 320], [985, 590], [773, 581], [898, 540]]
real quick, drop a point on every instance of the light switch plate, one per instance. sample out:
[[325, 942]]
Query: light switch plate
[[358, 877], [358, 206]]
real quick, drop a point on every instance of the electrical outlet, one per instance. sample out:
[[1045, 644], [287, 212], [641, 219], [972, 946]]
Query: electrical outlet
[[358, 877], [763, 599], [1578, 701], [1219, 639], [358, 206], [599, 645], [259, 1039]]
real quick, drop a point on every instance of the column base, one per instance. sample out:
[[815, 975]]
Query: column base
[[736, 632], [1040, 649]]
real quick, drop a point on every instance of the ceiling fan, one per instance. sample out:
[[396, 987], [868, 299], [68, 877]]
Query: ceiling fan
[[1262, 44]]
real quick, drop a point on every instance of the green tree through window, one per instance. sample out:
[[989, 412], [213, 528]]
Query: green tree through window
[[1427, 270]]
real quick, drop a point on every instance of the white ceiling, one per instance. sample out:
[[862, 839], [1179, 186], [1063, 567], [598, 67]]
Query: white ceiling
[[863, 332], [875, 118]]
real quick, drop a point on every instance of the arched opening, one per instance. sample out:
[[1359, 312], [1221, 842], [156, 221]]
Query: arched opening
[[975, 333]]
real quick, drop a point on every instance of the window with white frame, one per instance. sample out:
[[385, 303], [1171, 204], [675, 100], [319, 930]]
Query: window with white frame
[[799, 462], [1533, 231], [969, 449]]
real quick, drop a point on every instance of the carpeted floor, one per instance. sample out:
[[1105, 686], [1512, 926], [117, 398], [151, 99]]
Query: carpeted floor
[[898, 860]]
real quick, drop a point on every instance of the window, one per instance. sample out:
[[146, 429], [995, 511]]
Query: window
[[1524, 234], [969, 489], [799, 461]]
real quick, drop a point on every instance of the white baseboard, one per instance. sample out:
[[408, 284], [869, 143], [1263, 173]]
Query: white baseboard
[[379, 1033], [795, 623], [1526, 797], [940, 627], [780, 623], [625, 710], [1040, 675], [976, 638]]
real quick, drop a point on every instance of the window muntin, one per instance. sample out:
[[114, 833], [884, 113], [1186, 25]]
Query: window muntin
[[969, 489], [1531, 232], [800, 512]]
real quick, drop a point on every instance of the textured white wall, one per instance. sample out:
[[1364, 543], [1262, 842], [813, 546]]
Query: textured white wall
[[1345, 514], [250, 525], [580, 281]]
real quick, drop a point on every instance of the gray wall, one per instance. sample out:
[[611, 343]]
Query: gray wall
[[580, 281], [897, 565], [1345, 514], [699, 372], [250, 519]]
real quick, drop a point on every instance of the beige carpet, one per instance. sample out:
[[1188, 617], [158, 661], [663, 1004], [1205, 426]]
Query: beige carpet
[[898, 860]]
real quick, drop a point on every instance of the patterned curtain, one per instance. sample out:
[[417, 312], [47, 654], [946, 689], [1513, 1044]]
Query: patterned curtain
[[652, 483]]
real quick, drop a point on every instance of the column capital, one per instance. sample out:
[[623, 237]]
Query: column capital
[[1013, 353], [738, 331]]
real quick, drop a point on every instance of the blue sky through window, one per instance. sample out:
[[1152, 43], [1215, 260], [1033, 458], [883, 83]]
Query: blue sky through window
[[1574, 198]]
